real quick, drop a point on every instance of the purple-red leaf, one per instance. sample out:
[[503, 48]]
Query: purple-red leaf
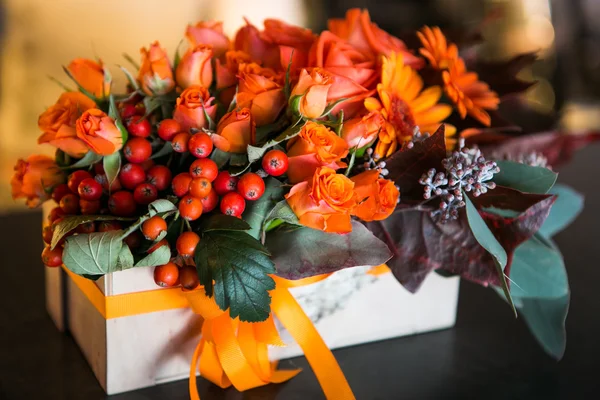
[[502, 75], [408, 164], [420, 245]]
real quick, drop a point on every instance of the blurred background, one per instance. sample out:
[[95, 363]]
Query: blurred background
[[39, 36]]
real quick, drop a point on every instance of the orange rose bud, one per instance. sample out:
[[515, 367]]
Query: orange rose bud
[[99, 132], [325, 202], [315, 146], [155, 75], [361, 131], [314, 88], [58, 123], [195, 68], [236, 130], [377, 197], [260, 90], [34, 179], [192, 106], [89, 74], [211, 33], [248, 39]]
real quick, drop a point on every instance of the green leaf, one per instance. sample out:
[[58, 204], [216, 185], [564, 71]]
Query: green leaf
[[305, 252], [565, 209], [131, 61], [125, 260], [113, 112], [486, 239], [283, 212], [287, 87], [69, 223], [177, 58], [165, 150], [160, 256], [222, 222], [256, 211], [220, 157], [112, 166], [239, 265], [238, 159], [541, 291], [132, 81], [256, 153], [88, 159], [160, 206], [331, 106], [524, 178], [94, 253]]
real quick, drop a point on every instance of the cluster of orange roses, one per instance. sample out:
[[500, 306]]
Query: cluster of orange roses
[[354, 73]]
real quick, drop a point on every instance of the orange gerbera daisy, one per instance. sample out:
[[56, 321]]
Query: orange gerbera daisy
[[436, 48], [470, 95], [405, 105]]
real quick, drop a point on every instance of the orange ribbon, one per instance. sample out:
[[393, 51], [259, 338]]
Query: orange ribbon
[[235, 353]]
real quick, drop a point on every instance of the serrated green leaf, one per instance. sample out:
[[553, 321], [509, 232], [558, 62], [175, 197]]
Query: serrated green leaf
[[239, 265], [160, 206], [222, 222], [565, 209], [525, 178], [69, 223], [88, 159], [112, 166], [160, 256], [256, 211], [486, 239], [125, 259], [93, 253]]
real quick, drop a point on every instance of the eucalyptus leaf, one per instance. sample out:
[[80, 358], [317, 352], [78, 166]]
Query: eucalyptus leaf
[[88, 159], [546, 319], [159, 256], [112, 166], [93, 253], [305, 252], [566, 208], [222, 222], [71, 222], [256, 211], [486, 239], [525, 178]]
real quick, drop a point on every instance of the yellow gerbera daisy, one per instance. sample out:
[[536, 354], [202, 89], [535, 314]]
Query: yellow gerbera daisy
[[406, 106]]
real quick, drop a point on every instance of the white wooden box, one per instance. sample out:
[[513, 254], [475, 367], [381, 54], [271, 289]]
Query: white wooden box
[[348, 308]]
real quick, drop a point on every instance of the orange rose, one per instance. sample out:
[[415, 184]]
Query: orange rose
[[315, 146], [248, 39], [155, 75], [99, 132], [293, 42], [236, 130], [34, 179], [314, 88], [211, 33], [89, 75], [191, 106], [361, 131], [367, 37], [226, 73], [325, 202], [260, 90], [58, 123], [377, 197], [355, 74], [195, 68]]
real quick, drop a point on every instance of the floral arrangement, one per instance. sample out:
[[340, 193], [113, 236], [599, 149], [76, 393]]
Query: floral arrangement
[[281, 153]]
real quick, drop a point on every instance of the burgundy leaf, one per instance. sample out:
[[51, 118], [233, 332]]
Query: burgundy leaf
[[512, 231], [557, 147], [406, 166], [502, 75], [420, 246]]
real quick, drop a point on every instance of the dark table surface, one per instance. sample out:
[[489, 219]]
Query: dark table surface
[[488, 355]]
